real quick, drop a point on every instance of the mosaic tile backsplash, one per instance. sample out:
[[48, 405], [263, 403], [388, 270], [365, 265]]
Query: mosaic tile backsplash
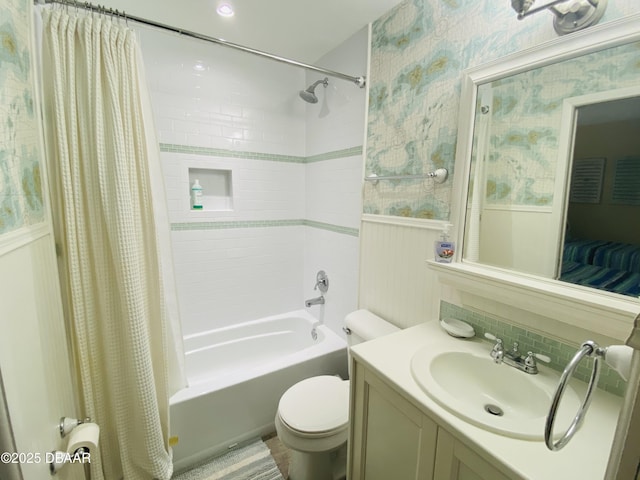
[[560, 353]]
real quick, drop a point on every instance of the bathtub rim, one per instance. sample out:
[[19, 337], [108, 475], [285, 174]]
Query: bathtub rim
[[331, 342]]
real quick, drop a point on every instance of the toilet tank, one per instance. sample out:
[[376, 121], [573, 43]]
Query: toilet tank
[[365, 326]]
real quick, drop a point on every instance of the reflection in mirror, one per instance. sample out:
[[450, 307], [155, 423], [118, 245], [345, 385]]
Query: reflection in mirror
[[602, 234], [521, 158]]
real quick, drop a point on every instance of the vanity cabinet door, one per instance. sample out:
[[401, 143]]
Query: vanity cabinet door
[[455, 461], [390, 438]]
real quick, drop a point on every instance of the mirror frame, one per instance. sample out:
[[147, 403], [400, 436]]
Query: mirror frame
[[571, 305]]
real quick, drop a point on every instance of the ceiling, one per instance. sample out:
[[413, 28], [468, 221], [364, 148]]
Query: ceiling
[[302, 30]]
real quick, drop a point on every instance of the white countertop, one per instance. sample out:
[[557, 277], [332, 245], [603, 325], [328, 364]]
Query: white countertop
[[585, 456]]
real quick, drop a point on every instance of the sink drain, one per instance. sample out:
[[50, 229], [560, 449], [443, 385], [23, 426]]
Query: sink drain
[[494, 410]]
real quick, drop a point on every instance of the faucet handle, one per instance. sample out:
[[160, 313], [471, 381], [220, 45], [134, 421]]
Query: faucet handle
[[491, 336], [539, 356], [322, 281], [530, 363], [497, 352]]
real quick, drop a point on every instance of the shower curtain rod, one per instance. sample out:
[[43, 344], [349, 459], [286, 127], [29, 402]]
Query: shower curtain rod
[[359, 81]]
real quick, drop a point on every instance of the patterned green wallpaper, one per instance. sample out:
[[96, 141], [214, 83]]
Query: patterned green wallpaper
[[418, 53], [525, 118], [20, 170]]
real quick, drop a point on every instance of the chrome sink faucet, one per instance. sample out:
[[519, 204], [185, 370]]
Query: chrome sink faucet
[[497, 352], [513, 358]]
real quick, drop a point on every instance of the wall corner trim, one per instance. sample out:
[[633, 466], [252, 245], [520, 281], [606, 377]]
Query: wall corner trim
[[405, 221]]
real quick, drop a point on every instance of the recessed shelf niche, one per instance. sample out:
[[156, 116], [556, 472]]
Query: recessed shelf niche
[[217, 191]]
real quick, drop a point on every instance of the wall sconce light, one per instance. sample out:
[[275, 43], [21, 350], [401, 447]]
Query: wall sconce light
[[572, 16]]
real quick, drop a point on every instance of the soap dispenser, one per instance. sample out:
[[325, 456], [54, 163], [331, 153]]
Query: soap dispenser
[[196, 195], [444, 248]]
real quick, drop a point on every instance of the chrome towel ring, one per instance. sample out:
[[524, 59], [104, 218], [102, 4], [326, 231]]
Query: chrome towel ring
[[587, 349]]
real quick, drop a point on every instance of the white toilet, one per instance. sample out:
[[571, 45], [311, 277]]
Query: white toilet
[[313, 415]]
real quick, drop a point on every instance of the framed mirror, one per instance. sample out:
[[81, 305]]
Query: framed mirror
[[526, 129], [576, 220]]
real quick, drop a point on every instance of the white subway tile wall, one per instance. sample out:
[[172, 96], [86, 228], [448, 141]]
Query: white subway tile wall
[[337, 254], [334, 186], [226, 276], [296, 174], [337, 120], [206, 95], [330, 193], [261, 189]]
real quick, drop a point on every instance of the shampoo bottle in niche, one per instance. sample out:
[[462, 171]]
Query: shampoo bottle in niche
[[444, 248], [196, 195]]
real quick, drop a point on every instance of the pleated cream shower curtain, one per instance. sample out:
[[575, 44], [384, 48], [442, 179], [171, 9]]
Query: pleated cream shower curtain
[[104, 159]]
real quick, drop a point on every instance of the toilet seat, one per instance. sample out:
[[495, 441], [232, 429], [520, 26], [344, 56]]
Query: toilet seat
[[316, 406]]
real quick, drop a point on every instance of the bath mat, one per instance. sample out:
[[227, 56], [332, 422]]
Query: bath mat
[[250, 462]]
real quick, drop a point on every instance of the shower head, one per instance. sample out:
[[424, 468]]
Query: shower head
[[309, 95]]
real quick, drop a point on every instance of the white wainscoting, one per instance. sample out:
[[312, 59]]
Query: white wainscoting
[[34, 359], [395, 282]]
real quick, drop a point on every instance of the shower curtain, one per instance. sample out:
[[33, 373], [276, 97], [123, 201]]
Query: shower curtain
[[105, 183]]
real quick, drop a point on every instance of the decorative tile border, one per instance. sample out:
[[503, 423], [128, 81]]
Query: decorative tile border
[[347, 152], [221, 152], [354, 232], [559, 353], [224, 225]]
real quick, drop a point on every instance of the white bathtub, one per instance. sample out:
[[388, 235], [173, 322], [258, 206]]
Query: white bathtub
[[237, 376]]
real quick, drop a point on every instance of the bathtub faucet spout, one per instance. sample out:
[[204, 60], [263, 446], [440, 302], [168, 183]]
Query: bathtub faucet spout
[[315, 301]]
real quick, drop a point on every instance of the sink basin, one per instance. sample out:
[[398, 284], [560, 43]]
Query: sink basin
[[492, 396]]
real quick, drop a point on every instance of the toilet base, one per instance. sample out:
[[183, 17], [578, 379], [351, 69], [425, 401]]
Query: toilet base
[[330, 465]]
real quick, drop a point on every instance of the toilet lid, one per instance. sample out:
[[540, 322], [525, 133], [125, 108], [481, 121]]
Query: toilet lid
[[317, 404]]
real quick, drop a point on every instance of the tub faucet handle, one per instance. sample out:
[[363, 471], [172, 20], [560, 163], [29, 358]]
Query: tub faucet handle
[[322, 281]]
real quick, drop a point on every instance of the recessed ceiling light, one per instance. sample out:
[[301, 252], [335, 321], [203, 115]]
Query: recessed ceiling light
[[225, 10], [199, 67]]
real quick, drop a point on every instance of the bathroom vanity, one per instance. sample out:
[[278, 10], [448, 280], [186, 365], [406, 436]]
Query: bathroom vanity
[[398, 431]]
